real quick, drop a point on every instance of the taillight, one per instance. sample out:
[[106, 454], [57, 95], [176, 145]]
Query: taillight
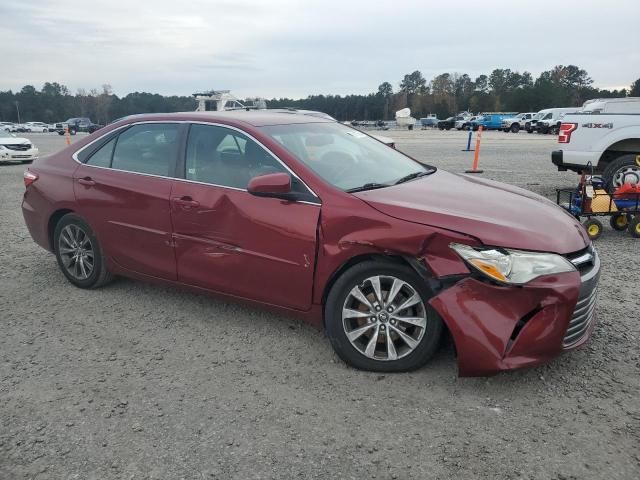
[[564, 136], [29, 178]]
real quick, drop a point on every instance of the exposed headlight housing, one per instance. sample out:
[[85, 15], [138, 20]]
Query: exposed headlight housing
[[514, 267]]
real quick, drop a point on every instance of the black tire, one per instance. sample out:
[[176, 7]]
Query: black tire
[[60, 132], [593, 227], [613, 171], [440, 128], [529, 130], [634, 226], [335, 328], [515, 128], [506, 130], [99, 275], [619, 221]]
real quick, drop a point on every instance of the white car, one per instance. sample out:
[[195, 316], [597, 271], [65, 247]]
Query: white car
[[36, 127], [16, 149], [5, 127]]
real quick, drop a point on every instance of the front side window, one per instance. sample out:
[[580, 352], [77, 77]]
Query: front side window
[[344, 157], [225, 157], [147, 148]]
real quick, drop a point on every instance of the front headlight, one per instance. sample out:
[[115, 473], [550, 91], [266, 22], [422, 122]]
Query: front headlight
[[512, 266]]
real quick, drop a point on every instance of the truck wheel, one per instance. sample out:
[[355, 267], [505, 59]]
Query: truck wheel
[[593, 228], [515, 128], [529, 130], [624, 169], [634, 226], [61, 132]]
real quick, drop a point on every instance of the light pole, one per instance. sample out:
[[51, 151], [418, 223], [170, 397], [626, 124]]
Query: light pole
[[18, 109]]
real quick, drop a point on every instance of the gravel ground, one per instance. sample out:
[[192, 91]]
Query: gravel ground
[[137, 381]]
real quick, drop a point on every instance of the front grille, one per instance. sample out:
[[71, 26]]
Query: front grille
[[19, 148], [588, 264]]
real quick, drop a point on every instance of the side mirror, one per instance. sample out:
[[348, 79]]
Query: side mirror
[[275, 185]]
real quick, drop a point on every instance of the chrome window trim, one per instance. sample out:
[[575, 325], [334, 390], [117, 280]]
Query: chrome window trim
[[199, 122]]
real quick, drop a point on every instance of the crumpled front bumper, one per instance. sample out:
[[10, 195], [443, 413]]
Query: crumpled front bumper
[[497, 328]]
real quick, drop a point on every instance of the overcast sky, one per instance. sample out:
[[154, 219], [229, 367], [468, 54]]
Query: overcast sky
[[298, 47]]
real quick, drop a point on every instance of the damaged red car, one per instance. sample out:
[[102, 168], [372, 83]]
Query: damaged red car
[[309, 216]]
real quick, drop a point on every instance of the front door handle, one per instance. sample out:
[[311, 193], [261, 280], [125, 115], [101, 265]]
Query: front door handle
[[88, 181], [186, 202]]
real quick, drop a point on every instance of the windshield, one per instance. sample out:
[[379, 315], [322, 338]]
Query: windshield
[[539, 115], [344, 157]]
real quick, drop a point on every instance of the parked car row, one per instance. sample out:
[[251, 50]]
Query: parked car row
[[74, 125], [25, 127], [544, 121]]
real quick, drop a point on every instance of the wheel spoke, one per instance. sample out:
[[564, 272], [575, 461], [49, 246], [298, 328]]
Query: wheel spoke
[[412, 300], [375, 283], [358, 332], [417, 321], [396, 286], [66, 237], [371, 346], [85, 240], [391, 348], [406, 338], [357, 293], [66, 250], [350, 313], [82, 268]]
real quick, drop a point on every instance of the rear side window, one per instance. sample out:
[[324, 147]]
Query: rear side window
[[102, 157], [147, 148]]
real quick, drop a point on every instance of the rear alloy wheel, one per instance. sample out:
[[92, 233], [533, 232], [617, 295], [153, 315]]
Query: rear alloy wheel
[[624, 169], [78, 253], [378, 318], [515, 128]]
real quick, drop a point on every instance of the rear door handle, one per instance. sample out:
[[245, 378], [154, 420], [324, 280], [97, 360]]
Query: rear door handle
[[186, 202], [88, 181]]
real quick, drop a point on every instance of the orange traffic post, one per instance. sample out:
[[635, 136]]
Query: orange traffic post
[[476, 157], [67, 136]]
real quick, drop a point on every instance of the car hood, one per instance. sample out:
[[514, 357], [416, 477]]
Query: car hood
[[495, 213], [14, 141]]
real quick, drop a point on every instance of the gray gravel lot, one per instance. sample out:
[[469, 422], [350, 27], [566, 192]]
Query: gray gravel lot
[[138, 381]]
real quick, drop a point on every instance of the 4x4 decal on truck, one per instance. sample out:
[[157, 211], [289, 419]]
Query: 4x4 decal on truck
[[597, 125]]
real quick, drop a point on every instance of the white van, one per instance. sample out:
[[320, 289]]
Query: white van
[[612, 105], [548, 120]]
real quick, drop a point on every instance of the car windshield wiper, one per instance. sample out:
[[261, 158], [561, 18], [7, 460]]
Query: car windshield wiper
[[366, 186], [413, 175]]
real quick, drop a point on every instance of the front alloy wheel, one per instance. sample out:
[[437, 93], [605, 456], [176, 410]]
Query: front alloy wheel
[[377, 317], [384, 318]]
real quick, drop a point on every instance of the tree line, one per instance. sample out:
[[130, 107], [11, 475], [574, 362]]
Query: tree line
[[446, 94], [55, 103], [503, 90]]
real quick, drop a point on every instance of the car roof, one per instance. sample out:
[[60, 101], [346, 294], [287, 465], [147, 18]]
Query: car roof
[[256, 118]]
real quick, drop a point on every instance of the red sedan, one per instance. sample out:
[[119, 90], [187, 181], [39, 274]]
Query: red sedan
[[309, 216]]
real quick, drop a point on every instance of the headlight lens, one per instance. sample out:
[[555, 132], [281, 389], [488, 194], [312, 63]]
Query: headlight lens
[[512, 266]]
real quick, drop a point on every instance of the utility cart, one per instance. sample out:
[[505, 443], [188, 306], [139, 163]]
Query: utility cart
[[590, 200]]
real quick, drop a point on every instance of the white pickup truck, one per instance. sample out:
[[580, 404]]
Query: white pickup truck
[[603, 137]]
